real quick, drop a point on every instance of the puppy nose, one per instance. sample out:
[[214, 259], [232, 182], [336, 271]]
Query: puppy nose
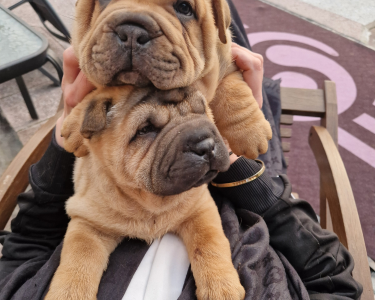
[[205, 147], [132, 35]]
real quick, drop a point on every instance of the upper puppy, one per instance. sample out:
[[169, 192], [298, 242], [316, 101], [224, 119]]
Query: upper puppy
[[171, 44], [166, 42]]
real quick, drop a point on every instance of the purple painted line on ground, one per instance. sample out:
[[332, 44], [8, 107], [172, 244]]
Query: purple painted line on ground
[[291, 56], [366, 122], [295, 80], [258, 37], [356, 147]]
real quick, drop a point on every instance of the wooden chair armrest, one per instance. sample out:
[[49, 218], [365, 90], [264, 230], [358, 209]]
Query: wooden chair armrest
[[345, 219], [15, 178]]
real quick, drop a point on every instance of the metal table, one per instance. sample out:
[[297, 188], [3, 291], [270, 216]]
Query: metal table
[[22, 50]]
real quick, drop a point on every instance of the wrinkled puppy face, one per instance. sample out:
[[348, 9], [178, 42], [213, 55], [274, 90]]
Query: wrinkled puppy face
[[166, 43], [162, 142]]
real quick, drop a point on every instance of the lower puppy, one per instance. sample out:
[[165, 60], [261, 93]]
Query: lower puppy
[[147, 158]]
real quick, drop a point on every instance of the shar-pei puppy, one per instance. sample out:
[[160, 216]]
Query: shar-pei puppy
[[150, 156], [171, 44]]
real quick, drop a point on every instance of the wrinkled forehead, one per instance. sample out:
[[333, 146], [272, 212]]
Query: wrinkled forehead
[[181, 101], [163, 3]]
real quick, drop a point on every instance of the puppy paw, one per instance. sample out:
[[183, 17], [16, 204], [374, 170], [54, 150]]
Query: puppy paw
[[251, 139], [239, 119], [224, 287], [73, 139]]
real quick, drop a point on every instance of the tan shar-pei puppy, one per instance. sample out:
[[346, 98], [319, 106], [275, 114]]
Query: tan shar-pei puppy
[[171, 44], [150, 155]]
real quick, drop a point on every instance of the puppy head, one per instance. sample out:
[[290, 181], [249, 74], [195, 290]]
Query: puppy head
[[161, 142], [166, 43]]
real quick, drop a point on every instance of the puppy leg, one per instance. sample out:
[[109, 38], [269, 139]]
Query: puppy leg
[[73, 139], [84, 257], [86, 119], [210, 256], [238, 117]]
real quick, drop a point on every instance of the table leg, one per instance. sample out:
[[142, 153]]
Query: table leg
[[26, 96]]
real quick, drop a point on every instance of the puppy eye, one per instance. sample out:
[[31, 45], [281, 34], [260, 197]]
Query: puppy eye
[[147, 129], [184, 8]]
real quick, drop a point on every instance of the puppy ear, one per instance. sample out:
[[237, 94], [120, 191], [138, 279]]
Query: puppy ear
[[221, 12], [103, 3], [95, 118]]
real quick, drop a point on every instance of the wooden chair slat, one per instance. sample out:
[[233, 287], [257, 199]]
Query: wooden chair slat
[[15, 178], [285, 146], [345, 219], [286, 119], [302, 102], [325, 213], [285, 132], [330, 119]]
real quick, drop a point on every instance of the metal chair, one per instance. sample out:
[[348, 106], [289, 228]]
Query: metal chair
[[46, 13]]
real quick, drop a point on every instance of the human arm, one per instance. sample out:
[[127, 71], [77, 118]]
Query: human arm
[[251, 64], [41, 221], [323, 263]]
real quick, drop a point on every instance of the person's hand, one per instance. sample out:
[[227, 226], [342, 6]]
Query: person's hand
[[75, 87], [252, 66]]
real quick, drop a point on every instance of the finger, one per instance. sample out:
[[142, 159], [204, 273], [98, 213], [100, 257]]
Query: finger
[[246, 51], [255, 84], [247, 60], [234, 45], [254, 79], [249, 52], [70, 66], [238, 46], [252, 67], [78, 90]]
